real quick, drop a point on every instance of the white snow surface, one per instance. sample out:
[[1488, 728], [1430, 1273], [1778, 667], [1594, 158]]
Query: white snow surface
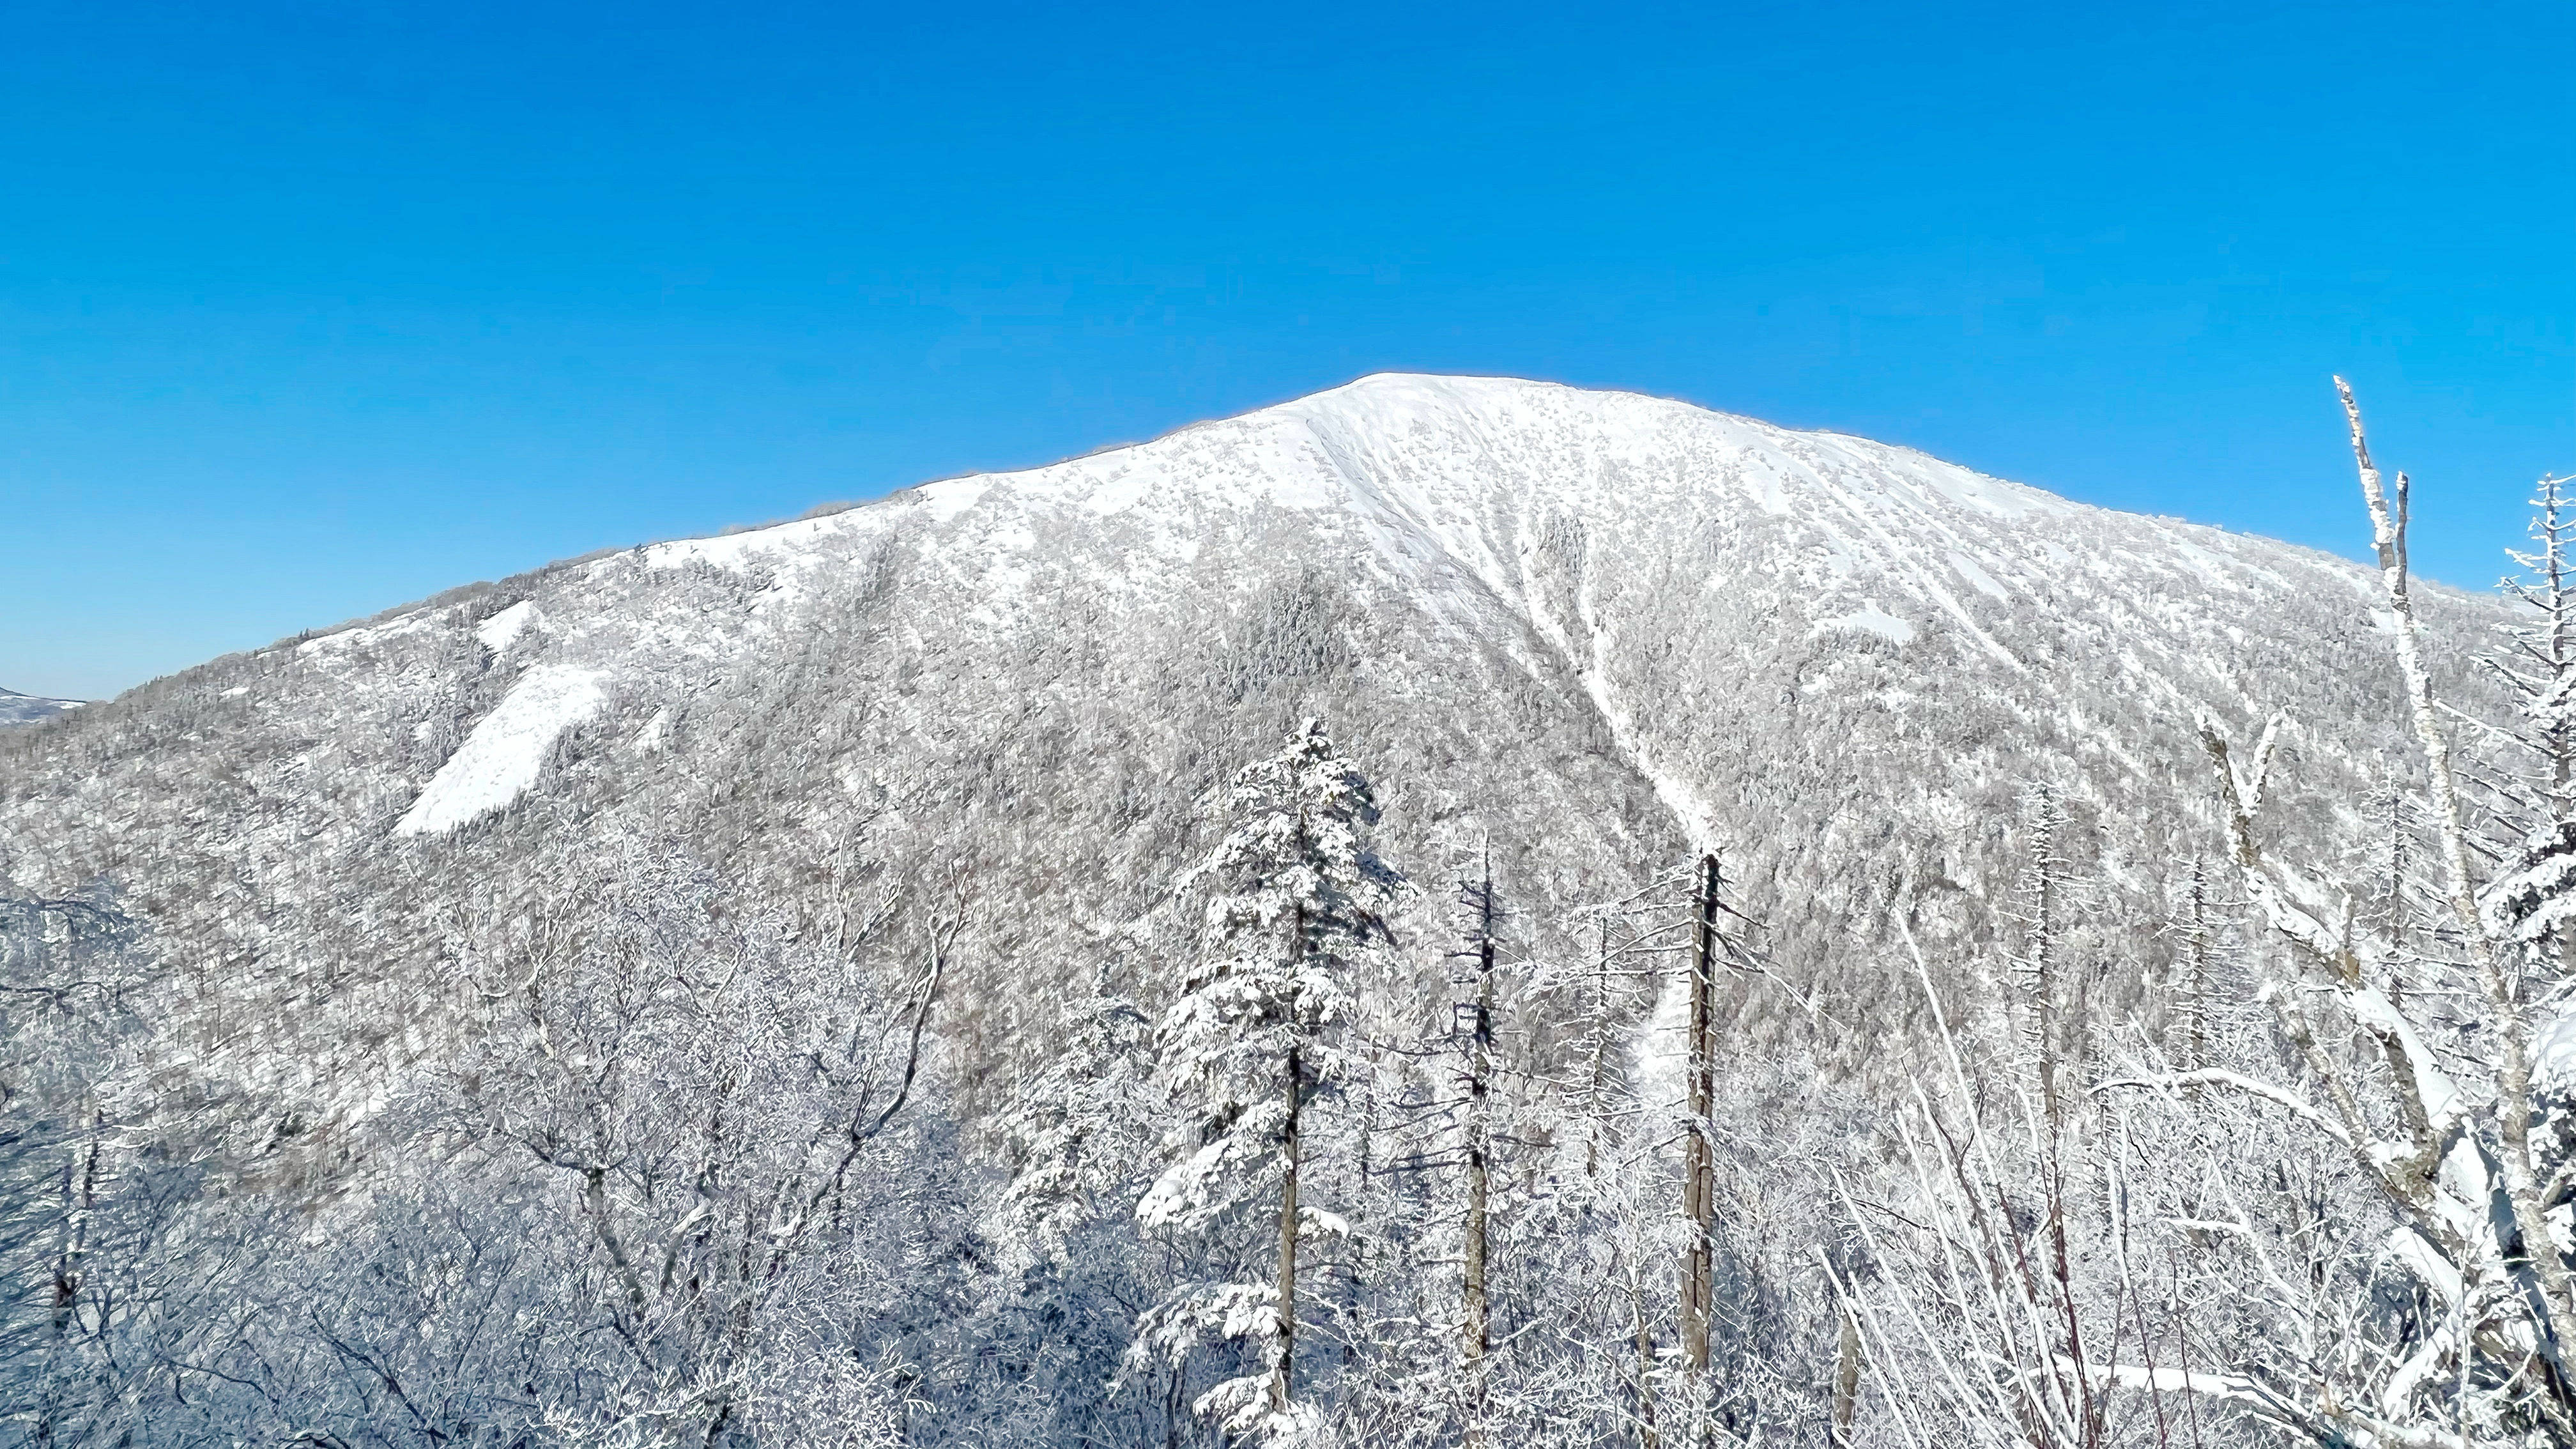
[[502, 630], [1421, 461], [503, 756], [394, 628], [2553, 1056], [1876, 621], [1443, 481]]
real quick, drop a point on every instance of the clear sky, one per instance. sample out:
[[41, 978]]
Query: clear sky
[[309, 310]]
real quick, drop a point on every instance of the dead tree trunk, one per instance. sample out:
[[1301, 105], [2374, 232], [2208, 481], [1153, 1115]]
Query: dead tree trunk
[[1599, 1078], [2557, 738], [1475, 1328], [1286, 1346], [1699, 1167], [2504, 992], [1846, 1378]]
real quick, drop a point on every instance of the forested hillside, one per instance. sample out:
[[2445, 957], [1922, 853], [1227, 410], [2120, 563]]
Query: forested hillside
[[1634, 924]]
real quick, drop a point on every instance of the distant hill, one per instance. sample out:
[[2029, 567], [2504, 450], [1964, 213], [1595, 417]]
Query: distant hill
[[18, 709]]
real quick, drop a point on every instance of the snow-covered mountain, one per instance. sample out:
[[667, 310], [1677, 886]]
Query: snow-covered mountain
[[1594, 628], [18, 709]]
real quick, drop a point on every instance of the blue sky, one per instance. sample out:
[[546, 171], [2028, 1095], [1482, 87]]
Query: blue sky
[[309, 310]]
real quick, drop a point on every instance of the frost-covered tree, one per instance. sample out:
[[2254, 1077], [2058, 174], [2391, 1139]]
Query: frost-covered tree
[[2186, 984], [2533, 899], [693, 1129], [1475, 1338], [1080, 1129], [68, 1040], [2443, 1312], [1295, 903], [1081, 1135], [2037, 971]]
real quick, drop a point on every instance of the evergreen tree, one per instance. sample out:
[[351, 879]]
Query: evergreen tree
[[1295, 903], [2530, 901], [1077, 1129]]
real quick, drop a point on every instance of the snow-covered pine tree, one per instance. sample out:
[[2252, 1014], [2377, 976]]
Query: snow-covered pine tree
[[1078, 1128], [1296, 901], [2534, 895], [2035, 973], [1082, 1135]]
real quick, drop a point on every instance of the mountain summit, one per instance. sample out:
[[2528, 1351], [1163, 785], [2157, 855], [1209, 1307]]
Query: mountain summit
[[1597, 630]]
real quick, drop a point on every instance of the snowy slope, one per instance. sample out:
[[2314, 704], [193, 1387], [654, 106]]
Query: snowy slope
[[1598, 628], [1451, 490], [1453, 484]]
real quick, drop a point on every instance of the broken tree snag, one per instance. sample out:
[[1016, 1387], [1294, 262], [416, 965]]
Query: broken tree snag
[[1285, 1344], [1847, 1356], [1699, 1166], [1475, 1330]]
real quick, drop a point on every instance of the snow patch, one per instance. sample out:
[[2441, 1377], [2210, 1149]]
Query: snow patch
[[1991, 496], [501, 758], [734, 550], [1984, 582], [1875, 621], [952, 496], [2553, 1056], [503, 628], [395, 628], [655, 735]]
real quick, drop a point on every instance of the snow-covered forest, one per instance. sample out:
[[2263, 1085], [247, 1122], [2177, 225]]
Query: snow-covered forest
[[1451, 912]]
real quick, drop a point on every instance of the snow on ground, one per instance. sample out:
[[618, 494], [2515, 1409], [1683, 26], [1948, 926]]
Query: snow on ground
[[735, 550], [1443, 476], [952, 496], [502, 629], [395, 628], [2553, 1057], [1876, 621], [501, 759], [1985, 583]]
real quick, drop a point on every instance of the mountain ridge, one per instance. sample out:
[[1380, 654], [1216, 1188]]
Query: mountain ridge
[[20, 709], [1599, 629]]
